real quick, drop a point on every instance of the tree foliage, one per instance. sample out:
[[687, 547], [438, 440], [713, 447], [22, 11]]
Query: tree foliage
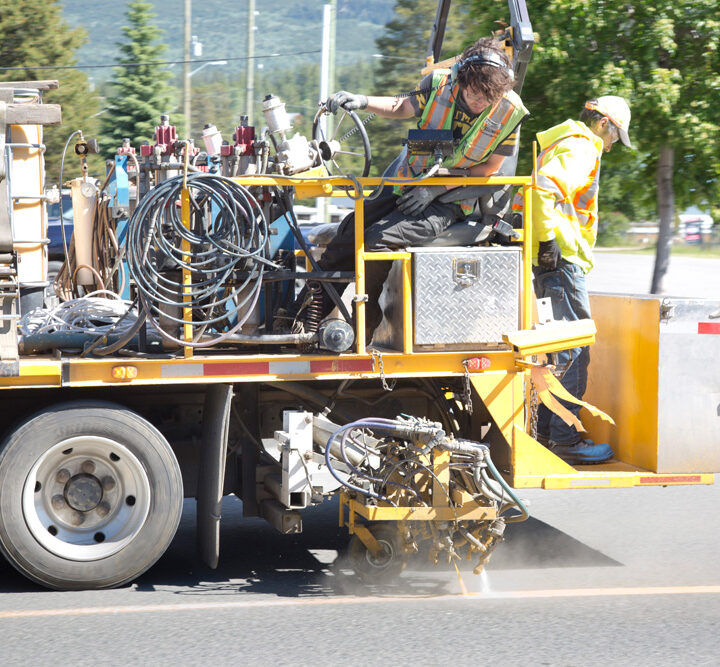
[[33, 34], [404, 45], [664, 57], [139, 92]]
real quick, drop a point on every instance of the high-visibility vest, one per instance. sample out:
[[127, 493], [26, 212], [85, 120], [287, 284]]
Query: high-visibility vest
[[488, 131], [565, 191]]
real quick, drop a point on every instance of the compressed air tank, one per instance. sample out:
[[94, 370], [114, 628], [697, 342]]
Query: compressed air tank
[[84, 201]]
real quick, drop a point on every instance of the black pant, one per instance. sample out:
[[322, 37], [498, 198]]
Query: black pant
[[386, 228]]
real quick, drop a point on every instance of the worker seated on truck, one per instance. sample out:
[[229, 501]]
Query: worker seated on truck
[[565, 223], [475, 100]]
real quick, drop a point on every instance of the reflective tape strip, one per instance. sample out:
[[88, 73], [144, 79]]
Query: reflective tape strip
[[181, 370], [440, 105], [709, 327], [237, 368], [602, 481], [289, 367], [244, 368], [671, 479], [586, 195], [342, 366]]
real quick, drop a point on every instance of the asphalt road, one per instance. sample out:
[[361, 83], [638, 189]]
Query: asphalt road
[[625, 272], [595, 577]]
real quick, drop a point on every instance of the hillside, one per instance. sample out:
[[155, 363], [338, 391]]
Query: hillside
[[283, 26]]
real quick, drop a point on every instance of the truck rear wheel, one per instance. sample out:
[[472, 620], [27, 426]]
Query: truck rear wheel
[[90, 496]]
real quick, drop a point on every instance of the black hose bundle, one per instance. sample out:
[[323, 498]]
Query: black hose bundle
[[224, 249]]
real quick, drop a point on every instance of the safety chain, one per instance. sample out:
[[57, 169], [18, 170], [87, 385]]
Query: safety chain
[[378, 363], [533, 416], [466, 395]]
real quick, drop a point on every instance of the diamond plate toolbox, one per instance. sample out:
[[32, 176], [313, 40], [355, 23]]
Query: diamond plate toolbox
[[465, 297]]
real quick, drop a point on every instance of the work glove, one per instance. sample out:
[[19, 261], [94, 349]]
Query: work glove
[[414, 201], [347, 101], [548, 254]]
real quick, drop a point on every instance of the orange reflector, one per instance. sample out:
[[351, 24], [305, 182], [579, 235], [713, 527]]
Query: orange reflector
[[124, 372], [477, 363]]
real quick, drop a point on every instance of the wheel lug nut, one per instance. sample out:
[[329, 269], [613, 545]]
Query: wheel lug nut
[[58, 502], [77, 518], [103, 509], [108, 483], [62, 476], [88, 467]]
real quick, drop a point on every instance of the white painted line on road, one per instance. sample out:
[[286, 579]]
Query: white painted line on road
[[295, 602]]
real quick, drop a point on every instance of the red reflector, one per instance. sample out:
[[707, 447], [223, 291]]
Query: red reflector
[[671, 479], [477, 363], [709, 327]]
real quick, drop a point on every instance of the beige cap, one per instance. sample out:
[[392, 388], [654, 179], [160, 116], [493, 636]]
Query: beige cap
[[617, 110]]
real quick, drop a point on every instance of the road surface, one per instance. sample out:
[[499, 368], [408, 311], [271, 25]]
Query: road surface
[[595, 577]]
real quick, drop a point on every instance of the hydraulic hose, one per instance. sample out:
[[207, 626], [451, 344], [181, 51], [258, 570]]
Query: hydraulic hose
[[362, 423], [224, 250], [524, 514]]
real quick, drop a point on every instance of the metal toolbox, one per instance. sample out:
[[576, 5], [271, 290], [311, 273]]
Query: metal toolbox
[[464, 299]]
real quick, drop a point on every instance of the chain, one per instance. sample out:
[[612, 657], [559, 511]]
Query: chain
[[466, 395], [533, 416], [355, 129], [378, 362]]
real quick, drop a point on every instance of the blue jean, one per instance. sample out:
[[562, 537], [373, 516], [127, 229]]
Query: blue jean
[[567, 290]]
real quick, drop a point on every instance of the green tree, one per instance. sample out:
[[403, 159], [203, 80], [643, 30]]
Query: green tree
[[33, 34], [664, 57], [404, 45], [139, 91]]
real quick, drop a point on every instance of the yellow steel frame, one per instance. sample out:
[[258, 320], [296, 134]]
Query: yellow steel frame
[[444, 505], [501, 386]]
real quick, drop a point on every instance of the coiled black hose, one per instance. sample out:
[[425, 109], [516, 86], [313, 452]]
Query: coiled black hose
[[226, 252]]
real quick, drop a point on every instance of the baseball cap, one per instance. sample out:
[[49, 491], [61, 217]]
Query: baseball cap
[[617, 110]]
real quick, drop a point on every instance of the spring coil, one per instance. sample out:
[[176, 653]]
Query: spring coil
[[223, 250], [314, 311]]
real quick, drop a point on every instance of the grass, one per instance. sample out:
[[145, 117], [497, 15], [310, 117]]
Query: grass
[[683, 249]]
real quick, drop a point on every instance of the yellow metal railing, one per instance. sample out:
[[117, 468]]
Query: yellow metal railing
[[333, 185]]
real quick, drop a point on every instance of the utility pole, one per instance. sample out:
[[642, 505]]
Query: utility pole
[[186, 67], [322, 204], [331, 57], [250, 83]]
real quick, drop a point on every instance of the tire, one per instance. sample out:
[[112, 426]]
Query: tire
[[90, 496], [388, 566]]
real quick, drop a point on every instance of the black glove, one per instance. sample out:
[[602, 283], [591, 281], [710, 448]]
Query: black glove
[[548, 254], [414, 201], [347, 101]]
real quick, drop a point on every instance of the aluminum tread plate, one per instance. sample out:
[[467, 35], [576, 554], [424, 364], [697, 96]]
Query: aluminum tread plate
[[451, 309]]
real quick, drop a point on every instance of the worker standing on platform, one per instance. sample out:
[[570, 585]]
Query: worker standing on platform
[[565, 223], [475, 100]]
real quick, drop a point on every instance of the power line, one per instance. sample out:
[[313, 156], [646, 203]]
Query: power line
[[159, 62]]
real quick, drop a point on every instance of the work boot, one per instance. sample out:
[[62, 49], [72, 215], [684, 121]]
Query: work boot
[[584, 451]]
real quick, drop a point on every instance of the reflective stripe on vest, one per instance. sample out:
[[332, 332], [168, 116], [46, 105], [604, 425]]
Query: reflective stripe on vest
[[483, 136], [578, 205], [478, 144]]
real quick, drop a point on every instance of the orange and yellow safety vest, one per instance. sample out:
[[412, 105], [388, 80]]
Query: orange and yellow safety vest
[[488, 131]]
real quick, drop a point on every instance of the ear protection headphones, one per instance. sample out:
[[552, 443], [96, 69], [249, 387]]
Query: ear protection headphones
[[485, 58]]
